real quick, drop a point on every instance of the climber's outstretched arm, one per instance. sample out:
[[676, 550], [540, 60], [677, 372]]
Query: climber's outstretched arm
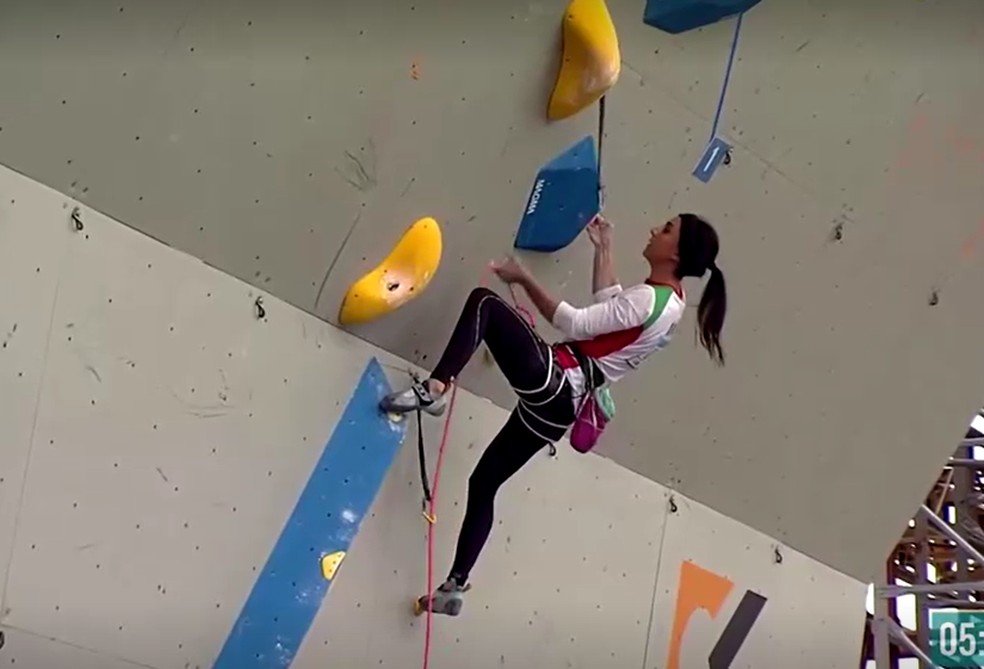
[[512, 272], [604, 283], [624, 310], [544, 302]]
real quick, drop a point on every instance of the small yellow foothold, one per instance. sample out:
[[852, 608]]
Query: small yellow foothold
[[431, 518], [330, 563]]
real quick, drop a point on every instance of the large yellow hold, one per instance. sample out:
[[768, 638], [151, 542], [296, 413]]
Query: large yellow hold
[[400, 277], [591, 61]]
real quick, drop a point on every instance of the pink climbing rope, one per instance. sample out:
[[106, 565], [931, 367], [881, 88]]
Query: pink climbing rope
[[430, 525], [437, 478], [521, 309]]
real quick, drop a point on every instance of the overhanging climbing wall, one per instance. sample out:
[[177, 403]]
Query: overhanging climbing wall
[[177, 465], [292, 144]]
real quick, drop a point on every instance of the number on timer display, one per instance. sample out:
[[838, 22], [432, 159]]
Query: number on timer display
[[958, 639]]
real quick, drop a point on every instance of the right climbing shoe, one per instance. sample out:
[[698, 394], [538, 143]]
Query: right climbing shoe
[[417, 396], [447, 599]]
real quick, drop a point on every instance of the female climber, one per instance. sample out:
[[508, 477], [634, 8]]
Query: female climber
[[604, 340]]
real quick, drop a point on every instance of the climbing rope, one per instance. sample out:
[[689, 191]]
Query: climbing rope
[[483, 282], [432, 519], [429, 502], [430, 496], [601, 139], [727, 76], [725, 84]]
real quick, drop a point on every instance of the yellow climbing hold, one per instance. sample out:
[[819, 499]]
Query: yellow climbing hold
[[400, 277], [330, 563], [590, 62]]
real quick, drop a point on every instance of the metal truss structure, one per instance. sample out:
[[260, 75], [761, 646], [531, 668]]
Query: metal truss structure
[[938, 560]]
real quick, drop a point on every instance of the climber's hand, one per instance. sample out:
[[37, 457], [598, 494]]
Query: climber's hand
[[600, 231], [509, 270]]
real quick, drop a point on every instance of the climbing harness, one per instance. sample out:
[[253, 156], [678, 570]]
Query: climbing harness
[[429, 500], [428, 497]]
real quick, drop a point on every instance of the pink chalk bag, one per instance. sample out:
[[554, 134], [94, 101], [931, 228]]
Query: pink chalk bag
[[595, 412]]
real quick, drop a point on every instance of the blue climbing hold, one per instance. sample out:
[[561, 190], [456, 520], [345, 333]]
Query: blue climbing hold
[[677, 16], [563, 200]]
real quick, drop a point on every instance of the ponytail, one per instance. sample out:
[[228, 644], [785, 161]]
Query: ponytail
[[698, 249], [710, 314]]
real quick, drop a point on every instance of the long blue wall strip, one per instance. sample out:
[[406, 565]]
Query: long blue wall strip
[[289, 590]]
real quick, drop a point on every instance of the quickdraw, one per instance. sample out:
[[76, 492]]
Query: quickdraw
[[426, 503]]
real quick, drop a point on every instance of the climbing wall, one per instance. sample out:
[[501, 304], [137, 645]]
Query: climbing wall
[[179, 458], [291, 144]]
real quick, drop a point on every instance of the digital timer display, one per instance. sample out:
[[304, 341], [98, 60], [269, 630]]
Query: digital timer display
[[956, 638]]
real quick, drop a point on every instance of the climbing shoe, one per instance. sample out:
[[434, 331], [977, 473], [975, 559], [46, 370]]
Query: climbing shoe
[[417, 396], [447, 600]]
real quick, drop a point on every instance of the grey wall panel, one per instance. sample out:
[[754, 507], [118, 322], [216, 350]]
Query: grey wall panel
[[290, 145]]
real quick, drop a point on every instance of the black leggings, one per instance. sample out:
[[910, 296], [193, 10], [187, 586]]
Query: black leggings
[[544, 412]]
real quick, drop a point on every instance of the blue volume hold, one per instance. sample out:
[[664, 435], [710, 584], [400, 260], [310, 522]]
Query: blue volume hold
[[677, 16], [563, 200]]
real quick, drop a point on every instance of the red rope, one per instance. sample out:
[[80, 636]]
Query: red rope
[[432, 511], [430, 525], [523, 311]]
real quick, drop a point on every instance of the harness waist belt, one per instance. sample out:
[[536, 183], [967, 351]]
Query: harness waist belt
[[570, 356]]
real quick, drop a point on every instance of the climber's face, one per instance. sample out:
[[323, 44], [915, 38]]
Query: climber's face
[[664, 242]]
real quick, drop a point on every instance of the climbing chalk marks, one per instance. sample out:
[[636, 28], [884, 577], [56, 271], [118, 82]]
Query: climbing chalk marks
[[305, 560], [715, 153]]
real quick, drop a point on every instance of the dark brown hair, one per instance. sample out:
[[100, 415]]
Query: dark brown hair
[[698, 255]]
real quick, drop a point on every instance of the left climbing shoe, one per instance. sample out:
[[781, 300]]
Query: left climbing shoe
[[417, 396], [447, 599]]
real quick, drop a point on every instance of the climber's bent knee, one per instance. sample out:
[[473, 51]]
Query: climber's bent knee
[[478, 292]]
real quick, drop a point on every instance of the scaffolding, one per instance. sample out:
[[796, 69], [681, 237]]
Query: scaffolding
[[937, 561]]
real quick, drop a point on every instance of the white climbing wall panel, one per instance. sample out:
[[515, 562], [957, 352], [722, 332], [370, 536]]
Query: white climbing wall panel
[[30, 271], [169, 431], [24, 649], [173, 432]]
